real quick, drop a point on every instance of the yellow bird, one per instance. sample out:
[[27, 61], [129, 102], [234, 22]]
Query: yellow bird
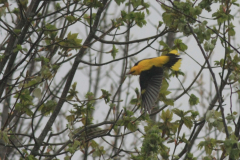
[[151, 74]]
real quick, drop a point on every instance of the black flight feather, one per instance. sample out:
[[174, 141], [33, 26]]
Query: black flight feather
[[150, 82]]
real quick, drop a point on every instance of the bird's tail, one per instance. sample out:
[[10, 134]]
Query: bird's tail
[[174, 60]]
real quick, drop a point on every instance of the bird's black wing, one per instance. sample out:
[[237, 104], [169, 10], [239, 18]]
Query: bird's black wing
[[150, 82]]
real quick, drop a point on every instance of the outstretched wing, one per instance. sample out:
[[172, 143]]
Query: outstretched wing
[[150, 82]]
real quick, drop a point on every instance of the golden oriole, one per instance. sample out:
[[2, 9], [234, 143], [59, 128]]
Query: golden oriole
[[151, 74]]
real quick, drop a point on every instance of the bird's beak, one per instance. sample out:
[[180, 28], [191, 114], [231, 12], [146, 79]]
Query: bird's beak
[[128, 73]]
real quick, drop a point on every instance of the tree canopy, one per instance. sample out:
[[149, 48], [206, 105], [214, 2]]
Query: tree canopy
[[65, 94]]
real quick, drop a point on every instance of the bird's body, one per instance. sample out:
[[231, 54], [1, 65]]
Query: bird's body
[[151, 74]]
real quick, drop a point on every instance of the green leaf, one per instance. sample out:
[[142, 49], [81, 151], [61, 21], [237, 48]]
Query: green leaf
[[160, 23], [33, 81], [18, 48], [164, 87], [71, 42], [71, 18], [99, 151], [178, 112], [92, 3], [70, 118], [88, 18], [4, 136], [132, 126], [231, 30], [188, 122], [17, 31], [94, 144], [37, 93], [165, 46], [3, 11], [206, 4], [193, 100], [46, 72], [168, 19], [1, 56], [28, 111], [164, 92], [236, 4], [90, 97], [25, 103], [137, 92], [190, 157], [57, 6], [138, 17], [114, 51], [209, 145], [67, 158], [229, 128], [106, 95], [167, 116], [48, 107], [50, 31], [72, 92], [234, 154], [221, 16], [134, 101], [219, 125], [16, 11], [166, 100], [179, 45], [208, 46], [119, 1], [153, 144], [30, 157]]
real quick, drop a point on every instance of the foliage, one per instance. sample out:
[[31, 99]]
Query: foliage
[[65, 93]]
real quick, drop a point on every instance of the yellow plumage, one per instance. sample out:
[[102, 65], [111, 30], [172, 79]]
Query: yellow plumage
[[151, 74], [160, 61]]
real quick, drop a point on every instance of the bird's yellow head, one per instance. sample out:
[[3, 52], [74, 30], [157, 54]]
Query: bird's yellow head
[[134, 70]]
